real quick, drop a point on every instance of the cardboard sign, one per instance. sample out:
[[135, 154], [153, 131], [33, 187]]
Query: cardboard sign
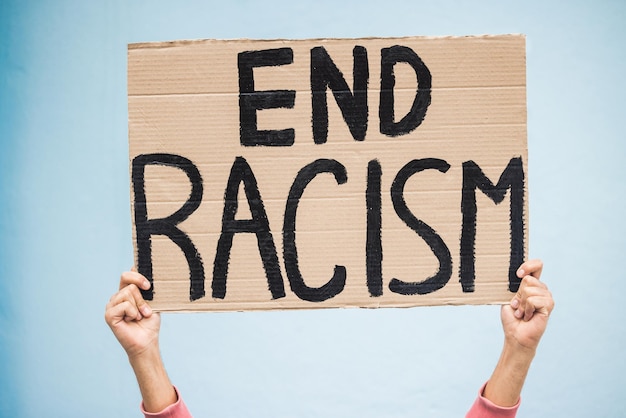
[[291, 174]]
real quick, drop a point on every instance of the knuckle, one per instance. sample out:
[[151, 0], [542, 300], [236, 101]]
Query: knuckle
[[129, 289], [128, 278]]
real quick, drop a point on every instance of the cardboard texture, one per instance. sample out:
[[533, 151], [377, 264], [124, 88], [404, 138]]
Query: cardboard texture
[[393, 209]]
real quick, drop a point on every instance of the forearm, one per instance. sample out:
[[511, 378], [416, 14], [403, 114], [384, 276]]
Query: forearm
[[156, 389], [506, 382]]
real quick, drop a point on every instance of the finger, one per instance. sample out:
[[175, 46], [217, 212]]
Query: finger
[[132, 277], [529, 287], [541, 304], [125, 298], [530, 268], [532, 296], [124, 311], [525, 309], [131, 294], [517, 300], [528, 284], [529, 310]]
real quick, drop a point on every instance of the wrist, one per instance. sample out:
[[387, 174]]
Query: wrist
[[505, 385], [512, 348], [145, 355], [156, 389]]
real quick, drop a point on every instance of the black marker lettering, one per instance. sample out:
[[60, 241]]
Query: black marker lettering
[[259, 225], [473, 178], [145, 227], [290, 253], [324, 73], [434, 241], [251, 100], [373, 246], [389, 58]]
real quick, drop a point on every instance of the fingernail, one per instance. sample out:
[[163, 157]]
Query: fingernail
[[521, 273], [146, 284], [145, 310], [515, 303], [518, 314]]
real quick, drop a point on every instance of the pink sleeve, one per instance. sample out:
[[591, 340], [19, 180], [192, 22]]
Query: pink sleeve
[[484, 408], [176, 410]]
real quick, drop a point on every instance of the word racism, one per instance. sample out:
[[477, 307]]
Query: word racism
[[306, 149]]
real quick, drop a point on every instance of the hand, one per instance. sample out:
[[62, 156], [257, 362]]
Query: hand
[[136, 327], [130, 318], [525, 319]]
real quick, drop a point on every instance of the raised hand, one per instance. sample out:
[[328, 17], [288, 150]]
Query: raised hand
[[130, 318], [525, 319]]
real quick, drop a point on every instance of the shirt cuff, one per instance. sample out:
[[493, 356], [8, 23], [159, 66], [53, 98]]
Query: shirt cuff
[[483, 407], [175, 410]]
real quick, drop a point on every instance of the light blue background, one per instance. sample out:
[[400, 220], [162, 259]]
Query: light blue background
[[66, 232]]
